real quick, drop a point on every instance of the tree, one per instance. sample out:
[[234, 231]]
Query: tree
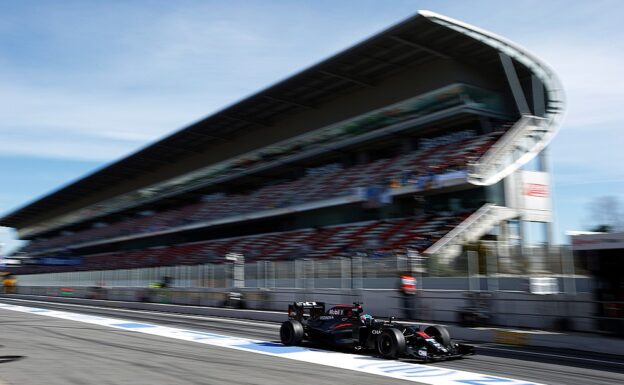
[[605, 214], [601, 229]]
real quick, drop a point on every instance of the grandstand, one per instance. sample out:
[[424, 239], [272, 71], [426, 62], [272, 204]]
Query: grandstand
[[414, 139]]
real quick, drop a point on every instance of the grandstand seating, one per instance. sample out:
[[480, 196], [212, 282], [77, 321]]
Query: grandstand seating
[[381, 237], [416, 167]]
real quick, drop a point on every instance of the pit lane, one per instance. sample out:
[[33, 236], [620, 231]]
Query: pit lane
[[93, 353]]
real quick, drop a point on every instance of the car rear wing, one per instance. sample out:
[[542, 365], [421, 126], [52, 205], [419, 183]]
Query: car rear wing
[[305, 310]]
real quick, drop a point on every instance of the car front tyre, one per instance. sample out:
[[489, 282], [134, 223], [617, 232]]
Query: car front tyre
[[391, 343], [440, 334]]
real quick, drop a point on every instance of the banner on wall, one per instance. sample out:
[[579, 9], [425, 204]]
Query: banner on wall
[[596, 241], [374, 196], [59, 261], [535, 196]]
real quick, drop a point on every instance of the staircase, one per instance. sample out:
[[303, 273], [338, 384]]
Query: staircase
[[523, 141], [471, 229]]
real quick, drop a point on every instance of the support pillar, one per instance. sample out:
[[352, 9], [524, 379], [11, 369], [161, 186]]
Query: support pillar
[[514, 84], [539, 104]]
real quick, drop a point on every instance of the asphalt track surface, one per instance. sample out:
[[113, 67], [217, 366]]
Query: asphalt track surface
[[35, 349]]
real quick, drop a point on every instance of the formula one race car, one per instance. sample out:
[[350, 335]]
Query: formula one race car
[[346, 326]]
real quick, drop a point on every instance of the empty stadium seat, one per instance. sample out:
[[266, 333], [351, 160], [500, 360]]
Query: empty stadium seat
[[421, 165]]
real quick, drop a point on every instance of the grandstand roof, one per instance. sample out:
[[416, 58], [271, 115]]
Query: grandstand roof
[[412, 42]]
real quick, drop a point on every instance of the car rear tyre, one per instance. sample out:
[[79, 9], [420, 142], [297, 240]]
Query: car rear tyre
[[440, 334], [291, 332], [391, 343]]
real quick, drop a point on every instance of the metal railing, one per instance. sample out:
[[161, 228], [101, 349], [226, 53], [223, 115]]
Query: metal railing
[[515, 148], [460, 229], [471, 229], [368, 270]]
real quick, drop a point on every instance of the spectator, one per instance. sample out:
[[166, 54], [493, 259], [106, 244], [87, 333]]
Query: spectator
[[407, 288], [9, 284]]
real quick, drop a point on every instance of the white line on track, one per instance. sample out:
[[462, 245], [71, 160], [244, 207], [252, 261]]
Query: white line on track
[[123, 302], [156, 313], [423, 374]]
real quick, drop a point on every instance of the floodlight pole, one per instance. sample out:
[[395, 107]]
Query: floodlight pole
[[539, 108]]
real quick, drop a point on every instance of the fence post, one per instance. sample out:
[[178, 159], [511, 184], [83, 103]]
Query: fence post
[[567, 267], [298, 273], [345, 273], [309, 273], [492, 269], [271, 274], [356, 272], [473, 271]]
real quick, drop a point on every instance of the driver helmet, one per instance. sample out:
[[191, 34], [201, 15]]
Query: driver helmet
[[366, 317]]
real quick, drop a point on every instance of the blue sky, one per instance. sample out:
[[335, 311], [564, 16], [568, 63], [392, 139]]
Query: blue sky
[[85, 82]]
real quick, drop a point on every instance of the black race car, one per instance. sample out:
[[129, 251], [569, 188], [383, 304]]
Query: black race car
[[346, 326]]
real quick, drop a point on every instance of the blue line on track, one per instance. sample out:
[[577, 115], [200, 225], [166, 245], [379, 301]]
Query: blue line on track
[[132, 325]]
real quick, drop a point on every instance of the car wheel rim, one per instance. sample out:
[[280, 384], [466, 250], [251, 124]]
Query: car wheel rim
[[385, 345], [285, 335]]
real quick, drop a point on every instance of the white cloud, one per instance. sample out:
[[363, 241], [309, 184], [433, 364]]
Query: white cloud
[[8, 243], [587, 150], [50, 121], [167, 71], [590, 69]]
